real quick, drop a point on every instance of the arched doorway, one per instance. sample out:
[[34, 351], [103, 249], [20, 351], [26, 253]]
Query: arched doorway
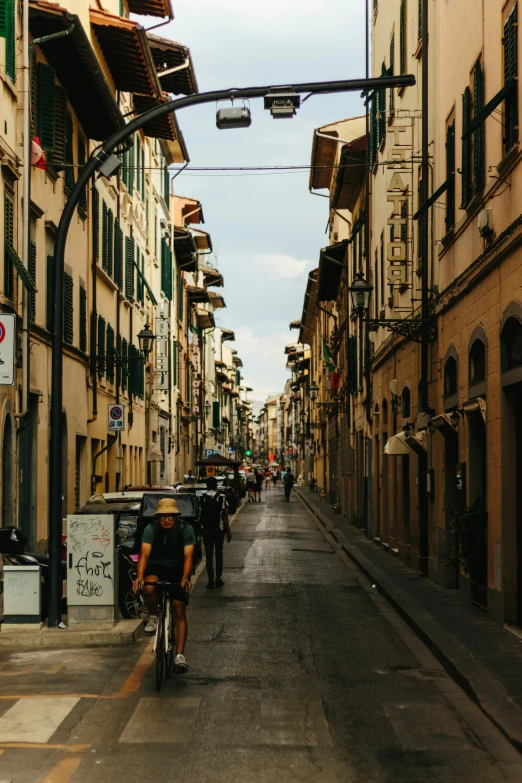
[[7, 473]]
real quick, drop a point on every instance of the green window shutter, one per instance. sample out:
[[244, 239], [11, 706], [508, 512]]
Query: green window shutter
[[373, 131], [166, 269], [402, 38], [510, 43], [8, 240], [419, 32], [49, 317], [105, 237], [95, 222], [46, 109], [10, 40], [124, 365], [404, 226], [69, 152], [59, 156], [216, 415], [110, 353], [118, 255], [33, 83], [141, 379], [466, 149], [180, 298], [450, 175], [139, 279], [138, 164], [381, 108], [129, 268], [131, 170], [238, 377], [101, 345], [32, 272], [479, 161], [82, 157], [83, 319], [68, 317], [174, 362], [391, 70], [110, 242], [166, 185]]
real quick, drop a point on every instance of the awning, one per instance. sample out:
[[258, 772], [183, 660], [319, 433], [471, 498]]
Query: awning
[[197, 295], [310, 311], [417, 442], [399, 444], [332, 261], [187, 211], [222, 376], [164, 127], [216, 300], [23, 273], [324, 151], [212, 277], [443, 424], [227, 334], [161, 8], [77, 68], [295, 324], [219, 364], [205, 319], [168, 55], [126, 49], [202, 240], [350, 174], [475, 407], [185, 250], [154, 453]]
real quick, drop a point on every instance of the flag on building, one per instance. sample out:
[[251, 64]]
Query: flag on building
[[328, 358]]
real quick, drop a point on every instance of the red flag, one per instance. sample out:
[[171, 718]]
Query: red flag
[[37, 156]]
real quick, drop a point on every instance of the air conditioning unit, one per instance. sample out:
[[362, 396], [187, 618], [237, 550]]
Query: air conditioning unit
[[485, 224]]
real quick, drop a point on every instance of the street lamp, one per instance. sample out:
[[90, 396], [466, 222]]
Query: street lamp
[[360, 291], [146, 338], [313, 391], [407, 429], [207, 407], [455, 418], [302, 416]]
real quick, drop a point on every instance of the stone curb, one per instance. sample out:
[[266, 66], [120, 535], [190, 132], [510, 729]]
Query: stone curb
[[475, 679], [124, 632]]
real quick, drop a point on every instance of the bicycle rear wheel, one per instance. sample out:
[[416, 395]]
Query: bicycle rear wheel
[[160, 652]]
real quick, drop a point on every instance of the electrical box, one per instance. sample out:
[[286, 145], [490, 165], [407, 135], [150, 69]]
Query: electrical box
[[22, 594]]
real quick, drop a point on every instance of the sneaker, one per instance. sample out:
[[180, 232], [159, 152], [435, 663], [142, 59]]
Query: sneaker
[[151, 626], [219, 582], [180, 664], [210, 585]]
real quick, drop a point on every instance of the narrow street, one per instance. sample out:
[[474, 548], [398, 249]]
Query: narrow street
[[299, 671]]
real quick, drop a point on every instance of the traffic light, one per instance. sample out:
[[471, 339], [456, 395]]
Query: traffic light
[[248, 453]]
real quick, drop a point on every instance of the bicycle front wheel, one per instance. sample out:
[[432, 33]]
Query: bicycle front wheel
[[169, 642], [160, 652]]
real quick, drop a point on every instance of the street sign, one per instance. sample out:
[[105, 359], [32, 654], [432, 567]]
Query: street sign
[[116, 418], [7, 348], [220, 448], [210, 452], [271, 457]]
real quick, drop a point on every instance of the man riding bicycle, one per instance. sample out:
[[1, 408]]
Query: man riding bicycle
[[167, 552]]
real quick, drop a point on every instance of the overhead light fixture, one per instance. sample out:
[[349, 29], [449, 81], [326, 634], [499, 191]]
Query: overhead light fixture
[[313, 391], [110, 165], [431, 426], [146, 338], [455, 418], [407, 429], [360, 291], [234, 117], [282, 105]]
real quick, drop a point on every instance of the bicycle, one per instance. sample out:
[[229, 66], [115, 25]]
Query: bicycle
[[164, 646]]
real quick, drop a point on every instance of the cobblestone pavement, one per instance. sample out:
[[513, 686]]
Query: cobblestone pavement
[[299, 671]]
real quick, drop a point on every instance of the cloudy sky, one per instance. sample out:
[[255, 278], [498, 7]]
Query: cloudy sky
[[267, 230]]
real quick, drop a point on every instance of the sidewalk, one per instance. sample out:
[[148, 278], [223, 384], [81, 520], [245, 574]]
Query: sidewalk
[[484, 658]]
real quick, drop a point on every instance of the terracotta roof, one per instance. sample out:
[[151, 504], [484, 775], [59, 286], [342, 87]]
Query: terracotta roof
[[185, 250], [161, 8], [212, 277], [196, 294], [170, 54]]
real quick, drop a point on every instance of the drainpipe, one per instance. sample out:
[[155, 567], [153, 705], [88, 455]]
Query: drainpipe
[[93, 336]]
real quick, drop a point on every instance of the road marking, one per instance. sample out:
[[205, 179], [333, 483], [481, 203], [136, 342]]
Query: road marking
[[45, 746], [35, 721], [162, 720], [135, 678], [21, 697], [293, 722], [63, 771]]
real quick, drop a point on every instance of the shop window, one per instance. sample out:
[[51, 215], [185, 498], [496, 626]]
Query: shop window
[[511, 344], [405, 403], [477, 363]]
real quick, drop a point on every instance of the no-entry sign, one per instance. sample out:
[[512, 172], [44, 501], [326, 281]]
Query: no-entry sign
[[7, 348], [116, 418]]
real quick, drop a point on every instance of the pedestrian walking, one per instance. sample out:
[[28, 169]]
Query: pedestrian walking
[[267, 479], [288, 482], [274, 479], [214, 520], [250, 484], [258, 486]]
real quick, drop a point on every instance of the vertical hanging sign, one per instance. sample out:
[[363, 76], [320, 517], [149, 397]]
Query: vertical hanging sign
[[7, 348], [400, 165]]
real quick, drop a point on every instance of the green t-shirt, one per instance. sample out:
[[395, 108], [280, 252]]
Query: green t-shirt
[[168, 545]]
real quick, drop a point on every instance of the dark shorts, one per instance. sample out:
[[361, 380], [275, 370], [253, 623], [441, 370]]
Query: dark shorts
[[167, 574]]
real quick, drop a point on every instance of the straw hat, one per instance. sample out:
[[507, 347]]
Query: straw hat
[[167, 506]]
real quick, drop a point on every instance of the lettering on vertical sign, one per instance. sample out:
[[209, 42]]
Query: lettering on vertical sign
[[90, 552], [399, 164]]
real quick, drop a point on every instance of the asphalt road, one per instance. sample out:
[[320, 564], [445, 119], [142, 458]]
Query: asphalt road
[[299, 672]]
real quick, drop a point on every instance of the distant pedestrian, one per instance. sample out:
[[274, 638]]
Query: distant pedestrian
[[313, 484], [258, 484], [214, 520], [250, 484], [274, 478], [190, 478], [267, 479], [288, 482]]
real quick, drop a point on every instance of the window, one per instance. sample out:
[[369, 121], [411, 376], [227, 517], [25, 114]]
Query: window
[[105, 237], [110, 353], [450, 176], [374, 130], [391, 70], [381, 112], [511, 344], [126, 367], [473, 160], [466, 148], [420, 22], [118, 255], [82, 205], [174, 363], [384, 421], [83, 319], [477, 363], [405, 403], [110, 243], [510, 44], [383, 279], [69, 153], [402, 38], [32, 272], [49, 312], [8, 31], [166, 268], [46, 107], [129, 268], [95, 225], [68, 319], [8, 243], [450, 377], [479, 159], [180, 298], [101, 345]]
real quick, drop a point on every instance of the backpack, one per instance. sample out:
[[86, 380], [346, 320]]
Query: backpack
[[211, 508], [289, 480]]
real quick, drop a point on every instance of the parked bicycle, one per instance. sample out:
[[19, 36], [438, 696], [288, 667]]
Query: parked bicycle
[[164, 642]]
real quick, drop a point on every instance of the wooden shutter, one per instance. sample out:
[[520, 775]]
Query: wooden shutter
[[391, 71], [118, 255], [131, 170], [8, 240], [110, 353], [450, 175], [373, 131], [466, 149], [101, 345], [479, 162], [46, 108], [59, 155], [124, 364], [95, 222], [49, 318], [105, 236], [83, 319], [142, 189], [32, 272], [510, 43], [174, 362], [110, 242], [138, 164], [381, 108], [82, 156], [10, 40], [69, 152], [68, 319], [33, 83], [419, 30], [129, 268], [402, 37], [216, 415]]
